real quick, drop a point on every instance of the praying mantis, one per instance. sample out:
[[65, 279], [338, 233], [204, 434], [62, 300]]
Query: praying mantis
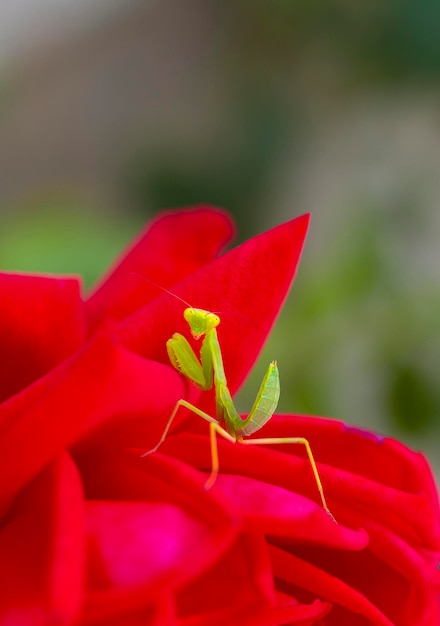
[[208, 371]]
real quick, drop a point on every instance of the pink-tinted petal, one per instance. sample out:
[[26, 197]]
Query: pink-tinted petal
[[247, 286], [143, 544], [41, 324], [273, 466], [276, 511], [165, 531], [173, 246], [100, 382], [42, 550]]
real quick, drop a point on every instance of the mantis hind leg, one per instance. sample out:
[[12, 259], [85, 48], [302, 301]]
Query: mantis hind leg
[[306, 444]]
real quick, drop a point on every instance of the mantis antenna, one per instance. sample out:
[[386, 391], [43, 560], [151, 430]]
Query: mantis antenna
[[148, 280]]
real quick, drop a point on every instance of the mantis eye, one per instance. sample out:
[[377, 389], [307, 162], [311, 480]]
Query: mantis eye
[[212, 320]]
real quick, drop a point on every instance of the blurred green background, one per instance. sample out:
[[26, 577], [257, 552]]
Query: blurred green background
[[113, 110]]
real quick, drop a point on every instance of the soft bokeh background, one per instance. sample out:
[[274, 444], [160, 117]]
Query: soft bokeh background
[[111, 110]]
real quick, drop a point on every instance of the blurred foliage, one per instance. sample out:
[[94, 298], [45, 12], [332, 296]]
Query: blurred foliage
[[412, 397], [392, 40], [61, 235]]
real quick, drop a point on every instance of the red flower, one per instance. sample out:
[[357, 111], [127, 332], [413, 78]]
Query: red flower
[[93, 534]]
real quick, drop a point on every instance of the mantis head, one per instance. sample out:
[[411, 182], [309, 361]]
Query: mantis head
[[200, 321]]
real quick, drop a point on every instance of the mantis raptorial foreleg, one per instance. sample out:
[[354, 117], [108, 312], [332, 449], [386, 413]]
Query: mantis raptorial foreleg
[[208, 372]]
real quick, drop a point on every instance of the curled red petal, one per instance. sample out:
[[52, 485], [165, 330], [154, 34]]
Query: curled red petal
[[244, 576], [348, 603], [171, 247], [41, 324], [408, 569]]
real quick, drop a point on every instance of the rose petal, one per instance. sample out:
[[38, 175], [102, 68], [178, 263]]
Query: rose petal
[[41, 547], [164, 505], [254, 614], [160, 613], [152, 544], [243, 576], [276, 511], [98, 383], [350, 606], [399, 550], [128, 476], [274, 466], [41, 324], [407, 570], [173, 246], [351, 497], [378, 475]]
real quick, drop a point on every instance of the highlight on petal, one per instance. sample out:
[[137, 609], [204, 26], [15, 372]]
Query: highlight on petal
[[140, 543], [277, 511], [41, 324], [172, 246]]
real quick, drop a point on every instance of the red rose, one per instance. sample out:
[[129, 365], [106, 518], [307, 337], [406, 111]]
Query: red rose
[[92, 533]]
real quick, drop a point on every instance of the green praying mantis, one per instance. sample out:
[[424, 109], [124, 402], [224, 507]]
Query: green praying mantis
[[209, 371]]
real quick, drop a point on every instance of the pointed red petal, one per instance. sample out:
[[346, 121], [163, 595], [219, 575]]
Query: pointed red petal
[[173, 246], [247, 286]]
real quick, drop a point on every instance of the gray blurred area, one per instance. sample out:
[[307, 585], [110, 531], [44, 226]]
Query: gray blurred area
[[111, 110]]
